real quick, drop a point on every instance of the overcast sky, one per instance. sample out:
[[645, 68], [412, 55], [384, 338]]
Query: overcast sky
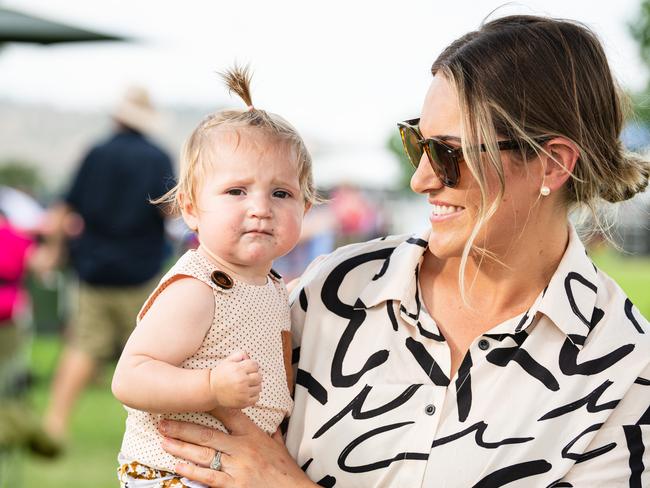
[[343, 71]]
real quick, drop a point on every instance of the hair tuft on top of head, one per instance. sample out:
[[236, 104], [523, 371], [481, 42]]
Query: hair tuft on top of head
[[238, 80]]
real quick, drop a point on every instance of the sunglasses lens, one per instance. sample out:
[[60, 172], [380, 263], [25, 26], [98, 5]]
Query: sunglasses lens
[[412, 146], [444, 162]]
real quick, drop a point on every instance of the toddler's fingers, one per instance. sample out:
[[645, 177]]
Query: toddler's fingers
[[254, 399], [237, 356], [249, 366], [254, 379]]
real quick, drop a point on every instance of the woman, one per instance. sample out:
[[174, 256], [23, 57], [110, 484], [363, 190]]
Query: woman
[[488, 350]]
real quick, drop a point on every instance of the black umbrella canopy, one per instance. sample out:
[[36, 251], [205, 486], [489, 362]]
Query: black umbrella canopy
[[20, 27]]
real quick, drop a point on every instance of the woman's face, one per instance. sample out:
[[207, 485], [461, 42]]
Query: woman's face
[[455, 210]]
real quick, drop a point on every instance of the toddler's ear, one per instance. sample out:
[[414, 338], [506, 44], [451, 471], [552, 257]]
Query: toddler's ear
[[308, 206], [188, 211]]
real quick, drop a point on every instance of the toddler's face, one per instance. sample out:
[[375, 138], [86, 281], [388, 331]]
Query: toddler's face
[[249, 205]]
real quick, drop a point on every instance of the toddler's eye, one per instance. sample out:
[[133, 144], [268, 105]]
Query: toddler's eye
[[281, 194], [235, 191]]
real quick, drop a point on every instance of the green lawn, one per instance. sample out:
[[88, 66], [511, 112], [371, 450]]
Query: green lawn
[[96, 432], [97, 425], [631, 273]]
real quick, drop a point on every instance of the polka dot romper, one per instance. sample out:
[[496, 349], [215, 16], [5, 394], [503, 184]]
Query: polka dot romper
[[251, 318]]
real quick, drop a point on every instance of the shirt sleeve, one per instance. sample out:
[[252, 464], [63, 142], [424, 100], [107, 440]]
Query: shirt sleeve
[[299, 303], [619, 454]]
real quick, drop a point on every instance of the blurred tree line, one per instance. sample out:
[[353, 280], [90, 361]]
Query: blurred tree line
[[640, 30], [21, 175]]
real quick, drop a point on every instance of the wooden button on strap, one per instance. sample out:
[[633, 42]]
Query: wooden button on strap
[[222, 280]]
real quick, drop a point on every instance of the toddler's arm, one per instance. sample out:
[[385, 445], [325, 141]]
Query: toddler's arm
[[148, 376]]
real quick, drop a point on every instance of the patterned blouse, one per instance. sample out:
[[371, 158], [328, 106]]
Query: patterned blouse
[[556, 397]]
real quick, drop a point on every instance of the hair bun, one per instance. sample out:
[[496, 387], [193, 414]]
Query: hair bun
[[633, 175]]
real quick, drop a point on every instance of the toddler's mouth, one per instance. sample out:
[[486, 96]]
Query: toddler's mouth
[[259, 232]]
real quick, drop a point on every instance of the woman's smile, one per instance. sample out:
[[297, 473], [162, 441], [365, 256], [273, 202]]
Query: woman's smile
[[443, 211]]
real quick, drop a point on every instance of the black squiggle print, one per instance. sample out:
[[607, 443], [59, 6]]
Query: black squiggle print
[[597, 314], [417, 241], [590, 401], [329, 292], [506, 475], [383, 269], [391, 314], [338, 378], [327, 481], [302, 298], [314, 388], [464, 388], [355, 406], [479, 429], [569, 360], [377, 464], [429, 335], [426, 362], [521, 323], [634, 439], [295, 355], [502, 356], [630, 315], [356, 315], [579, 458]]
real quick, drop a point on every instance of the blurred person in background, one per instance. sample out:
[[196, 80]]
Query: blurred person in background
[[359, 218], [116, 246], [20, 219]]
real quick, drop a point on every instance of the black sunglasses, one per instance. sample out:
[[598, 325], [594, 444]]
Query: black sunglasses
[[444, 159]]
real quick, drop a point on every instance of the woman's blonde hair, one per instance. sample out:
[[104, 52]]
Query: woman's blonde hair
[[195, 162], [529, 78]]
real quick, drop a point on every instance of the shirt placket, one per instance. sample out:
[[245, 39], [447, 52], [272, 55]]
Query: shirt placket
[[431, 397]]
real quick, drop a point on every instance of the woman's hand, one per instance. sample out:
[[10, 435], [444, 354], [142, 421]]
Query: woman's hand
[[250, 457]]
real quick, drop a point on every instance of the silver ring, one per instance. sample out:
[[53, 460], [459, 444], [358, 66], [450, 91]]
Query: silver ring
[[216, 461]]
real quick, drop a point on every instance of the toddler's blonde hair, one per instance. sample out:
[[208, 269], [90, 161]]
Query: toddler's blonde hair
[[193, 161]]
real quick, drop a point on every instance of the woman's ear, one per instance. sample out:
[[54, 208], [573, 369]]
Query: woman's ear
[[560, 162], [188, 211]]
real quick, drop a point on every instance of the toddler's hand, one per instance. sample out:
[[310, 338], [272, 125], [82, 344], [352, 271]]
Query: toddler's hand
[[236, 381]]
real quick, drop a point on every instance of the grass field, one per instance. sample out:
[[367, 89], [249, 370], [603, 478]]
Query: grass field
[[96, 431], [98, 421]]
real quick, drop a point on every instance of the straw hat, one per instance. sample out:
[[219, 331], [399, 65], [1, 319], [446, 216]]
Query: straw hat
[[136, 111]]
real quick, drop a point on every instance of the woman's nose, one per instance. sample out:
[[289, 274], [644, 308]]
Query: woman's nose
[[425, 179]]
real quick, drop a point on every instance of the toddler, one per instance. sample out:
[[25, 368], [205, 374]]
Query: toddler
[[215, 332]]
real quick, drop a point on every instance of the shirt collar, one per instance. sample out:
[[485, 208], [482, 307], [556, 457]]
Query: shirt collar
[[568, 301], [396, 276]]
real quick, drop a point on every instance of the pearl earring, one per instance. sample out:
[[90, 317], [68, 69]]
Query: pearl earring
[[545, 191]]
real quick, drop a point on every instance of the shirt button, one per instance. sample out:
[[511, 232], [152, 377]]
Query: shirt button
[[430, 409], [484, 344]]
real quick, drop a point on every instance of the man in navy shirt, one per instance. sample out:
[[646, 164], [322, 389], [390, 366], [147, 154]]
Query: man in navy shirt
[[117, 247]]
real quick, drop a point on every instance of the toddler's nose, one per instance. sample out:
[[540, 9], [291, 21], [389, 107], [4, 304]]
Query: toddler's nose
[[260, 208]]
